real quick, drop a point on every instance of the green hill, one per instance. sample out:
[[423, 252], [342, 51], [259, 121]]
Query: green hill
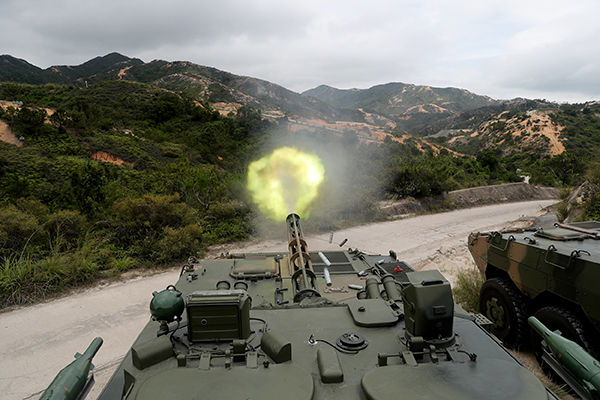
[[410, 106], [396, 99], [197, 81], [99, 68], [172, 186], [17, 70]]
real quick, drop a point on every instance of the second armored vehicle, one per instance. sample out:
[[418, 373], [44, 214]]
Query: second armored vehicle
[[552, 274]]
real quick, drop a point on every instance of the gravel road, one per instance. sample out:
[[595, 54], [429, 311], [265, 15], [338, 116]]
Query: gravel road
[[37, 341]]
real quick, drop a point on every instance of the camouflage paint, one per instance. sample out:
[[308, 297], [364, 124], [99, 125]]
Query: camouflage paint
[[541, 263]]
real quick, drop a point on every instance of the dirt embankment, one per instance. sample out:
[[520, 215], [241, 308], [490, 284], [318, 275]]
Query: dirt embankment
[[109, 158], [8, 136], [471, 197]]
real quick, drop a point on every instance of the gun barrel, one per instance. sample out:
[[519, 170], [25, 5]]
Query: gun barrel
[[300, 263]]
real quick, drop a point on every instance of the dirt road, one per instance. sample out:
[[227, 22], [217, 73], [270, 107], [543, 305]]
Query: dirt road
[[39, 340]]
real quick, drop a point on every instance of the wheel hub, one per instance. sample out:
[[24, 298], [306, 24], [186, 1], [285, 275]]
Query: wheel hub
[[495, 312]]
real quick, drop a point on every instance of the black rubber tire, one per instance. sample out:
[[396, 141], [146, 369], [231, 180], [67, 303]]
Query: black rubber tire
[[570, 324], [503, 304]]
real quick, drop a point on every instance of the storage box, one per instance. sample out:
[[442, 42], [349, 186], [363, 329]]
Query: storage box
[[218, 315]]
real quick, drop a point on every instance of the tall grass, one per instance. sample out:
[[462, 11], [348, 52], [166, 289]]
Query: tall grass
[[466, 291], [24, 280]]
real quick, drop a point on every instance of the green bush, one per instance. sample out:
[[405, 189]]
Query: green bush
[[592, 207], [179, 243], [466, 291], [28, 121], [17, 229], [226, 221], [33, 207], [123, 264], [64, 229], [23, 280], [139, 223], [562, 211]]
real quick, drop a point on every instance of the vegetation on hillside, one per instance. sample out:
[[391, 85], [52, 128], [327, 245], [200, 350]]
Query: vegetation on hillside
[[67, 219]]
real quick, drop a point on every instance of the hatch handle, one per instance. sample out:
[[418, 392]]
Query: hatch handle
[[496, 234], [552, 248], [577, 253], [574, 254]]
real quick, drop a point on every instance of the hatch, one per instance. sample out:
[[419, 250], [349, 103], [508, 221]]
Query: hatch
[[561, 234], [260, 267], [469, 380], [218, 383]]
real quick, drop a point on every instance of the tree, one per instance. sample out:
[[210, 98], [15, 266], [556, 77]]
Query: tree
[[566, 168], [29, 121], [88, 187], [165, 106]]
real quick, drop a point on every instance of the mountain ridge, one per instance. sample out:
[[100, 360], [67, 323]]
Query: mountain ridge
[[409, 105]]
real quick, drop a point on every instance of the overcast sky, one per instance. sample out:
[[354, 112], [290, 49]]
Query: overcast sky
[[504, 49]]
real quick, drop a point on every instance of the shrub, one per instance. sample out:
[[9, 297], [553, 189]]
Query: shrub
[[28, 121], [17, 229], [592, 207], [87, 184], [562, 210], [139, 223], [179, 243], [466, 291], [23, 280], [123, 264], [33, 207], [64, 228]]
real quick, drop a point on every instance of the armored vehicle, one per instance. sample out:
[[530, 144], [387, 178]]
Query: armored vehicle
[[552, 274], [315, 325]]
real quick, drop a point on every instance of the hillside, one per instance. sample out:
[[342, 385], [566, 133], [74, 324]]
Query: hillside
[[99, 68], [197, 81], [397, 99], [408, 105], [546, 131], [369, 113], [510, 133]]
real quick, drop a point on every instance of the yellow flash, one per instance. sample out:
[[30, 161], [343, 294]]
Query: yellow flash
[[285, 181]]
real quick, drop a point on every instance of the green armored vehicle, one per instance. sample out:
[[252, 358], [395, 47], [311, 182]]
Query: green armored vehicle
[[552, 274], [315, 325]]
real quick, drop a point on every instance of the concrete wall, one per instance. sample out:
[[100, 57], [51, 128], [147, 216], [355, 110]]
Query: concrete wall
[[465, 198]]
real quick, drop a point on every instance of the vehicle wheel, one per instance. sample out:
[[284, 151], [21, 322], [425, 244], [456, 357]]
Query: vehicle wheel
[[571, 326], [502, 303]]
